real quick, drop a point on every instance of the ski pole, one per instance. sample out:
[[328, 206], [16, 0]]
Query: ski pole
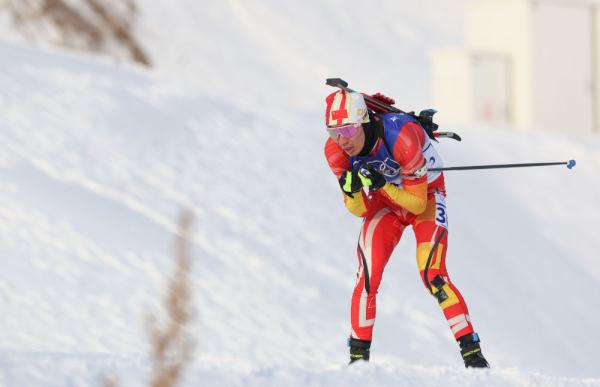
[[570, 164]]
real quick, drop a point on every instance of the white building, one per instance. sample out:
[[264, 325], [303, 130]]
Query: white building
[[528, 63]]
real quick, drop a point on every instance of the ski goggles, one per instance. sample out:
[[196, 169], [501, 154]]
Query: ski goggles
[[345, 131]]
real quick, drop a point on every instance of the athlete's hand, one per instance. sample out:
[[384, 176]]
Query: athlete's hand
[[350, 182], [371, 178]]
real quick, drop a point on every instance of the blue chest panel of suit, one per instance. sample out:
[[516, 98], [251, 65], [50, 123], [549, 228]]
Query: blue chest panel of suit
[[383, 160]]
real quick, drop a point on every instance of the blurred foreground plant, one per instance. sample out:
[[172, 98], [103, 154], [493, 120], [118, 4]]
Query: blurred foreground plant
[[103, 26], [171, 345]]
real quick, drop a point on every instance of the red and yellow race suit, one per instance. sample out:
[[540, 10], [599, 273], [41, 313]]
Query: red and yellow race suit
[[411, 196]]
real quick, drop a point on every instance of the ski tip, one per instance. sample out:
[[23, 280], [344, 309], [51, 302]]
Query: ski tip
[[571, 164]]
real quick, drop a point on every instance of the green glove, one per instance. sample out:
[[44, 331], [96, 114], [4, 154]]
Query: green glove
[[371, 178], [350, 182]]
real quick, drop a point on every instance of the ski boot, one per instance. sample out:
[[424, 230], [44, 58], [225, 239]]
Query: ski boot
[[471, 351], [359, 349]]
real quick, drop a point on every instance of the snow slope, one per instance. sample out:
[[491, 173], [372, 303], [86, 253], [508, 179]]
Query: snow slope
[[99, 158], [97, 162], [226, 47]]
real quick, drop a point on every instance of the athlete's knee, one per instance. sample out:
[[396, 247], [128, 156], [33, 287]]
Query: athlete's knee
[[440, 288], [431, 259], [369, 286], [427, 277]]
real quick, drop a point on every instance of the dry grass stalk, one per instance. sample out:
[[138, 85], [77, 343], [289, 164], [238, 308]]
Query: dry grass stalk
[[171, 345], [121, 29], [92, 31], [110, 382]]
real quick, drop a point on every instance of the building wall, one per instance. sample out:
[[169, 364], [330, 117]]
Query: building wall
[[595, 56], [503, 28], [452, 82], [531, 63], [492, 87], [562, 66]]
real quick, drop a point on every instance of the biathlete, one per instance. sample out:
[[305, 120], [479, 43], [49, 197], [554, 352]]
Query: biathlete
[[381, 162]]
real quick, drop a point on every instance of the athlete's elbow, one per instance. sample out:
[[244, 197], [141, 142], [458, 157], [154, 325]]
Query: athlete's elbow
[[359, 214], [419, 207], [356, 205], [358, 211]]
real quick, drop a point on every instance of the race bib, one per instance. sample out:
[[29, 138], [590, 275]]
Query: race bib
[[441, 216]]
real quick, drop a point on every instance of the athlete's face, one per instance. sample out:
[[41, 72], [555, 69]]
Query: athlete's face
[[352, 145]]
